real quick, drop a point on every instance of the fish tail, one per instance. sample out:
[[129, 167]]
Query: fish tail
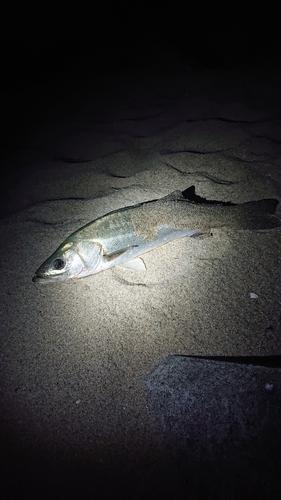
[[258, 214]]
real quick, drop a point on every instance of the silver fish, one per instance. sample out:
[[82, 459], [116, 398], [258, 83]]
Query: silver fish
[[120, 237]]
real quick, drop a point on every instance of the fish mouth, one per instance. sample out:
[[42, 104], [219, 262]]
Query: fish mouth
[[41, 279]]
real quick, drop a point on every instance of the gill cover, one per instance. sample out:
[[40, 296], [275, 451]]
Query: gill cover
[[70, 260]]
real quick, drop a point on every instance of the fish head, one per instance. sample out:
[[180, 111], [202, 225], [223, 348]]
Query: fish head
[[71, 260]]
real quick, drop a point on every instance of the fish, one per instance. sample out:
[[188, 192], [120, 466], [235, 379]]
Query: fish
[[120, 237]]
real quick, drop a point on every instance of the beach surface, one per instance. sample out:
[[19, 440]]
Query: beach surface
[[76, 356]]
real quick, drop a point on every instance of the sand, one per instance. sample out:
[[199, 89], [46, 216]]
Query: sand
[[75, 356]]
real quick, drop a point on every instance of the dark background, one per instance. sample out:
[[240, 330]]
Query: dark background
[[45, 49], [39, 41]]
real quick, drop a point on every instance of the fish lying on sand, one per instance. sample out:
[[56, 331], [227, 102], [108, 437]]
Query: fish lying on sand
[[120, 237]]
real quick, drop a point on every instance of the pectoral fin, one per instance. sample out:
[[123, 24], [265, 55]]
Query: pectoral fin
[[136, 263], [118, 253]]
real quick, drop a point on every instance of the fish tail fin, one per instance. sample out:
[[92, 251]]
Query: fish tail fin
[[258, 214]]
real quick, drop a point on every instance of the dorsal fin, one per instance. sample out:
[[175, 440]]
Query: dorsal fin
[[190, 195], [174, 196]]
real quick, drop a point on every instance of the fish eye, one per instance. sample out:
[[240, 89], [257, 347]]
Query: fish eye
[[58, 264]]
